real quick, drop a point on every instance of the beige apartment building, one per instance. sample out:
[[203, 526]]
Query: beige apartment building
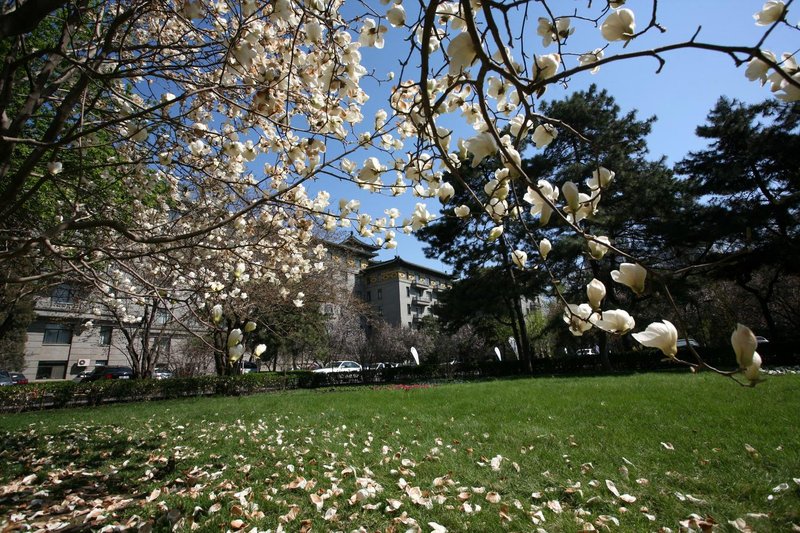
[[67, 338]]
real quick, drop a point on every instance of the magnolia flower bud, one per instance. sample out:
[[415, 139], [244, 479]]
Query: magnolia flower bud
[[446, 191], [632, 275], [250, 326], [597, 247], [661, 335], [744, 344], [596, 291], [495, 233], [234, 337], [544, 248], [519, 258], [235, 353], [571, 195], [216, 313], [261, 348]]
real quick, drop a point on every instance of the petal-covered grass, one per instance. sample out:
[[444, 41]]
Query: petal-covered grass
[[641, 451]]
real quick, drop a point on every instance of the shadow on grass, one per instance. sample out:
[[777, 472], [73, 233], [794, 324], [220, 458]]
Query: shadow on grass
[[72, 465]]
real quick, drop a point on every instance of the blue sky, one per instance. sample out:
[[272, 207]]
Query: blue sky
[[680, 96]]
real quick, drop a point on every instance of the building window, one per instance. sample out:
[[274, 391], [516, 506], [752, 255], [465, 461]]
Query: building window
[[162, 317], [162, 346], [380, 294], [105, 335], [408, 292], [63, 294], [51, 369], [408, 309], [57, 334], [369, 296], [380, 311]]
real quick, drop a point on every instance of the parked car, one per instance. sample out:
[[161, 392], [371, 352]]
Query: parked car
[[5, 379], [81, 376], [162, 373], [18, 378], [682, 344], [586, 352], [339, 366], [109, 372], [249, 367]]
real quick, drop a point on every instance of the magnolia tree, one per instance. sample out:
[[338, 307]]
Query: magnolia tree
[[187, 133]]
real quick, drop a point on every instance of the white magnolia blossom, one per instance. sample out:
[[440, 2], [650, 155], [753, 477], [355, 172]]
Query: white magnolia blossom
[[598, 246], [461, 52], [631, 275], [571, 196], [544, 135], [481, 146], [495, 233], [55, 167], [372, 34], [541, 207], [590, 58], [519, 258], [235, 337], [601, 178], [396, 15], [421, 217], [546, 66], [744, 345], [771, 12], [544, 248], [250, 326], [620, 25], [550, 32], [462, 211], [578, 317], [260, 349], [617, 321], [235, 352], [216, 313], [661, 335], [752, 370], [446, 192], [758, 69], [595, 292]]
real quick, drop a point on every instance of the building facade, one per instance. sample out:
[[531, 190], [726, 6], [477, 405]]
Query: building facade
[[401, 292]]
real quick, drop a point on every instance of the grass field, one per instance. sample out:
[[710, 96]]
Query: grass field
[[642, 451]]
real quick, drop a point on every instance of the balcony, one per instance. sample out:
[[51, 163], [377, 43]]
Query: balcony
[[421, 300]]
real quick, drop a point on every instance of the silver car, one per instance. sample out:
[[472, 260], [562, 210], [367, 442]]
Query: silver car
[[5, 379]]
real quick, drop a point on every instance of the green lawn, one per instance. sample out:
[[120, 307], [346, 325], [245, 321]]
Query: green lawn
[[492, 456]]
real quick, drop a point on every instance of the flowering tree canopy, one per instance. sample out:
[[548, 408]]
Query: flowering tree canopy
[[147, 137]]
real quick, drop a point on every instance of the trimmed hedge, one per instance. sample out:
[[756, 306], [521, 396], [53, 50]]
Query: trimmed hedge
[[69, 394]]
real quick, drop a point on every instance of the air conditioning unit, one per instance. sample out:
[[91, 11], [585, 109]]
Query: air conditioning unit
[[84, 362]]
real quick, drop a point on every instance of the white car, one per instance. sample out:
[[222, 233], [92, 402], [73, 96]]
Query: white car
[[339, 366]]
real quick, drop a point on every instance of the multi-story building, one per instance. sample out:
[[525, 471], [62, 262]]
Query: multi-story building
[[67, 338], [401, 292]]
